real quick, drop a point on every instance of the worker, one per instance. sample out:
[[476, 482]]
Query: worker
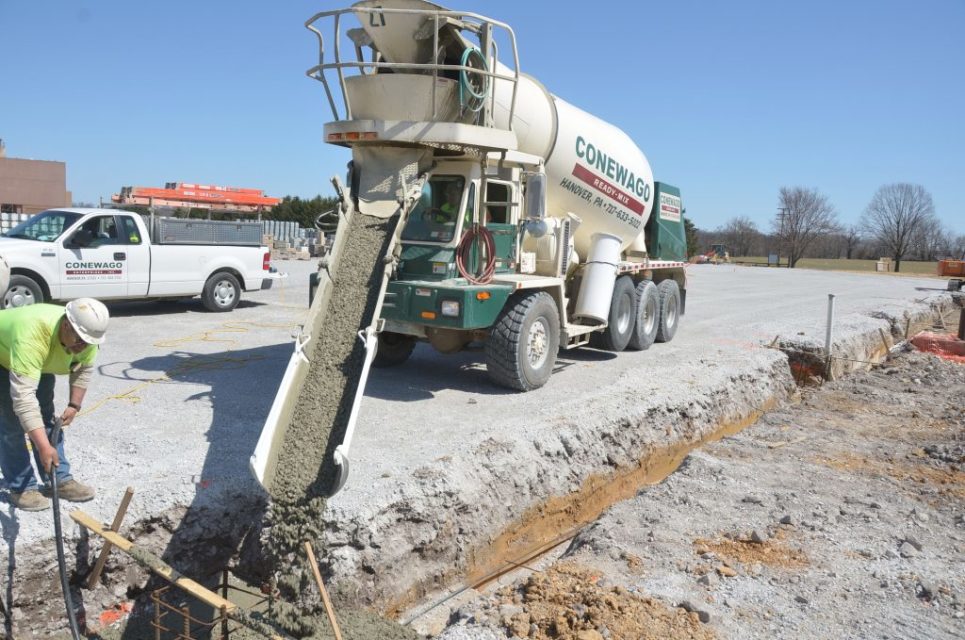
[[447, 213], [37, 342]]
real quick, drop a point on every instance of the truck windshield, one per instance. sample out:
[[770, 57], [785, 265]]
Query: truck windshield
[[44, 226], [435, 216]]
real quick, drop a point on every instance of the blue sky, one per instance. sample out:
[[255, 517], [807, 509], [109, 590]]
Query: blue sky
[[728, 100]]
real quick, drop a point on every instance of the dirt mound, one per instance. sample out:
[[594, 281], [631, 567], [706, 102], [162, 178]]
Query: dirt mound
[[570, 602], [755, 548]]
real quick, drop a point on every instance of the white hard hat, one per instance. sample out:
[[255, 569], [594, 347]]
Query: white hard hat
[[89, 319]]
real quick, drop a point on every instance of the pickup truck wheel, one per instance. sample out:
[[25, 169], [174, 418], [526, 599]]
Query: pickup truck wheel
[[669, 293], [394, 349], [523, 343], [221, 292], [647, 312], [22, 291], [620, 321]]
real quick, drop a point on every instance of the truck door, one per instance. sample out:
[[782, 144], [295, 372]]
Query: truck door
[[138, 250], [93, 260], [498, 216]]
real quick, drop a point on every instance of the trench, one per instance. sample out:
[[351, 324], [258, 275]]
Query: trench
[[545, 526]]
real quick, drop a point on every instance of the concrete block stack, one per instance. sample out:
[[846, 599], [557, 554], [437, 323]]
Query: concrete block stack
[[288, 241], [10, 220]]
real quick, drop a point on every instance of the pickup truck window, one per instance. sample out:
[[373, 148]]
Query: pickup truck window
[[45, 226], [129, 231], [102, 230]]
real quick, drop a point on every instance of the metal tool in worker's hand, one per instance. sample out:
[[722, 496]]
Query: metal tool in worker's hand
[[58, 534]]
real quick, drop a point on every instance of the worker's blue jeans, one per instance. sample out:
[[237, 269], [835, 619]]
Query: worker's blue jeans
[[14, 458]]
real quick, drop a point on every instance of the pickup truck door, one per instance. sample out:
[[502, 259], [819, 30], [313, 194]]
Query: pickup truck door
[[138, 250], [93, 260]]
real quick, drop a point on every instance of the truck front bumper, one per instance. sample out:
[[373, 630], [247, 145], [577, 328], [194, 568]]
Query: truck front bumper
[[423, 302]]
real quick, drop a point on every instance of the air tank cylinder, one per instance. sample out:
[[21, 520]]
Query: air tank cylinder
[[599, 278]]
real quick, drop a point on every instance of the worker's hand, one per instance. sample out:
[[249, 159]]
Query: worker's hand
[[48, 457], [68, 416]]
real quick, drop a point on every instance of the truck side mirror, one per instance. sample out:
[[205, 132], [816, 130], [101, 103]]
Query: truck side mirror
[[81, 238], [536, 196]]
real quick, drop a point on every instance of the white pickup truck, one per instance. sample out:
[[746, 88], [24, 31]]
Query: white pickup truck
[[109, 254]]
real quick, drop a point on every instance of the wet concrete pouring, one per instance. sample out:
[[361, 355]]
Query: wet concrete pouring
[[589, 472]]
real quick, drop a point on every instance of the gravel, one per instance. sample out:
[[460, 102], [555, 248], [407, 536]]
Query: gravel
[[449, 471]]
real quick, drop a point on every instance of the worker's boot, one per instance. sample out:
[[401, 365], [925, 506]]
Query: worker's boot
[[72, 490], [29, 500]]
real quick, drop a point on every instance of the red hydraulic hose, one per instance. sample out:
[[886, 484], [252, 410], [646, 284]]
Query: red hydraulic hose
[[477, 234]]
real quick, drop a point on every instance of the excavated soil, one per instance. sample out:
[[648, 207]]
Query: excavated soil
[[839, 515], [570, 602]]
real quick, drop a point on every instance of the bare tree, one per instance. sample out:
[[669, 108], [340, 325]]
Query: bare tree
[[741, 235], [804, 215], [956, 247], [895, 216], [852, 238]]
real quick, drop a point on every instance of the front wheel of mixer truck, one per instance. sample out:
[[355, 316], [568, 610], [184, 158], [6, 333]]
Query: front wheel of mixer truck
[[523, 342], [393, 350]]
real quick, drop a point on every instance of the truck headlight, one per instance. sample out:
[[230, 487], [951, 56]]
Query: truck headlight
[[450, 308]]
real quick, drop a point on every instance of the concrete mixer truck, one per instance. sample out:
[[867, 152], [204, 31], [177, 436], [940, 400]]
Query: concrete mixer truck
[[497, 214]]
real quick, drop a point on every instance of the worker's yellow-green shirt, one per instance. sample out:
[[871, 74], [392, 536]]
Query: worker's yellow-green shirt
[[30, 344]]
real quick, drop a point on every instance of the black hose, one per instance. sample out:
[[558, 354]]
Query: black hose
[[59, 537]]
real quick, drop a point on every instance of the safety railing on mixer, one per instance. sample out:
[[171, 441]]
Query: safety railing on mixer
[[480, 25]]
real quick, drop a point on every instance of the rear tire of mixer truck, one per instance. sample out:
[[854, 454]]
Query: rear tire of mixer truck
[[524, 341], [621, 319], [668, 292], [647, 313]]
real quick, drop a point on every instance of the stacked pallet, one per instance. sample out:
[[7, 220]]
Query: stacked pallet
[[10, 220]]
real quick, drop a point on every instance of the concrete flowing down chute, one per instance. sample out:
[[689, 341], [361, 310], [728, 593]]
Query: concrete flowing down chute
[[304, 446]]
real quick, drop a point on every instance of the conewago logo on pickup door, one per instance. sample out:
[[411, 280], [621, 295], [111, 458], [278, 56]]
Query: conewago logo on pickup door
[[91, 270]]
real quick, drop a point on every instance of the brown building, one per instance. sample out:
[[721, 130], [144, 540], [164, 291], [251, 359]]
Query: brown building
[[29, 186]]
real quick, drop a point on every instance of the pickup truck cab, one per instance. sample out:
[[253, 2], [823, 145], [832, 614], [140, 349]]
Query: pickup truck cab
[[109, 254]]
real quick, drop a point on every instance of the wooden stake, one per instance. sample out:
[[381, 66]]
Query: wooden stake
[[884, 340], [95, 575], [321, 587]]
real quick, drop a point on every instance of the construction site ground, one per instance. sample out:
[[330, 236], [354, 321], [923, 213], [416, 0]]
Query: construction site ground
[[454, 480]]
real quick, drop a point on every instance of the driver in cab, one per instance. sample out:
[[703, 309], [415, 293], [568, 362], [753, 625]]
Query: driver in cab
[[446, 214]]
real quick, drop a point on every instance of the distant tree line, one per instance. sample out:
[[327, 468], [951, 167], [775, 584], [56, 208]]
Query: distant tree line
[[304, 212], [899, 222]]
